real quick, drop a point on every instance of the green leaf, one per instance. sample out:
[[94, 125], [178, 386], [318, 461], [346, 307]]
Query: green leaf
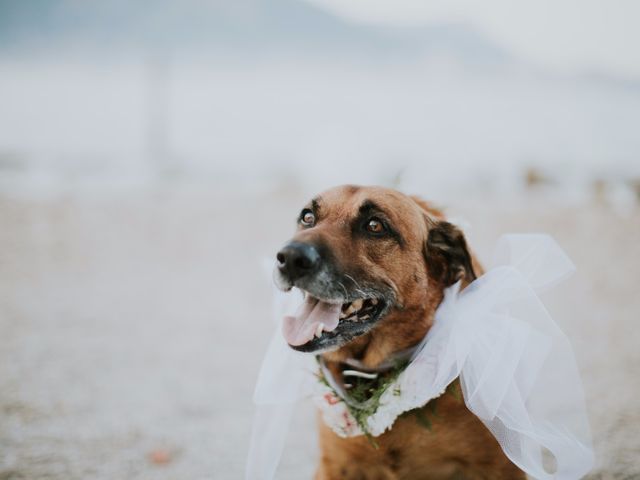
[[433, 407], [453, 389], [422, 419]]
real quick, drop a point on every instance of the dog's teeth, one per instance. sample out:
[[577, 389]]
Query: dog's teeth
[[350, 309], [364, 317], [357, 304], [374, 301], [319, 330], [343, 315]]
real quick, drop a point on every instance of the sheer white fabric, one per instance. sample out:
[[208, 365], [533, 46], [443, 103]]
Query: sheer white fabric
[[516, 367]]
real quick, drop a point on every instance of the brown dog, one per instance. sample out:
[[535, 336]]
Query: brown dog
[[397, 254]]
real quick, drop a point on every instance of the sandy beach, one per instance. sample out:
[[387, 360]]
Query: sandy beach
[[132, 326]]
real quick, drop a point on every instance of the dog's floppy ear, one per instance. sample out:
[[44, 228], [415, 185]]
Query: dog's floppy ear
[[446, 253]]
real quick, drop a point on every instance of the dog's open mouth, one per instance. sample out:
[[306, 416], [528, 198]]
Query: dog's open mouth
[[322, 325]]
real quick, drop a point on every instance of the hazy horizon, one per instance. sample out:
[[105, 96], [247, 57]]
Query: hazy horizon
[[262, 92]]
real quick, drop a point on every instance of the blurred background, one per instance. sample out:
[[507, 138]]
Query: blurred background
[[154, 153]]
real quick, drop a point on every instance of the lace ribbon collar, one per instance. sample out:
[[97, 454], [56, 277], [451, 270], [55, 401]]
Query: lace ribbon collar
[[517, 370]]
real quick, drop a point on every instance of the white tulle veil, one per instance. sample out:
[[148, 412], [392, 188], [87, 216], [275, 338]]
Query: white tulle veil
[[516, 368]]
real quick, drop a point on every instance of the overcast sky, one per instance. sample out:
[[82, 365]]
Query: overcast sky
[[570, 35]]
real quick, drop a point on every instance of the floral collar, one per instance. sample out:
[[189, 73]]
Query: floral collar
[[350, 407]]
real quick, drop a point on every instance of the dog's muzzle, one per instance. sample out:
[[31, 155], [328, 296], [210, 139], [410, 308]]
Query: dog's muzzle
[[335, 307]]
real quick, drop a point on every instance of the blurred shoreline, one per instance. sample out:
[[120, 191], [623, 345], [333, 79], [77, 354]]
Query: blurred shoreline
[[439, 125]]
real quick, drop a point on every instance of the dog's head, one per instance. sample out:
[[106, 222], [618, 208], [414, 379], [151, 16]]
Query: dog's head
[[373, 264]]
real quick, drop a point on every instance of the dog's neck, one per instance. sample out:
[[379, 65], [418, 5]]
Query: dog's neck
[[396, 337], [377, 354], [392, 361], [393, 339]]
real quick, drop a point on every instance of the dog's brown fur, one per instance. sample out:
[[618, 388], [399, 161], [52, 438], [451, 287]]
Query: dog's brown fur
[[432, 255]]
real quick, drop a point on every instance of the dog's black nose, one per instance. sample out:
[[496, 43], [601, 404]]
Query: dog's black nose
[[297, 260]]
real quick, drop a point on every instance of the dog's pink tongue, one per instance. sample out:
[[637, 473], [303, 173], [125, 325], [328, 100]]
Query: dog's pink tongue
[[301, 327]]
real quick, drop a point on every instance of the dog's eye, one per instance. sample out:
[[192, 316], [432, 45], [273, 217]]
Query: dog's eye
[[375, 226], [307, 218]]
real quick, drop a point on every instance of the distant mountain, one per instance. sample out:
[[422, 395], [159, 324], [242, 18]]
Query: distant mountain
[[249, 26]]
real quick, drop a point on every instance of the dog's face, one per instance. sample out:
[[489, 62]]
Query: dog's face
[[371, 262]]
